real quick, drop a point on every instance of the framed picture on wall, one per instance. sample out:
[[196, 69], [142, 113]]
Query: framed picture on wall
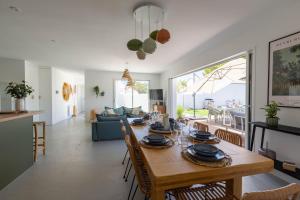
[[284, 71]]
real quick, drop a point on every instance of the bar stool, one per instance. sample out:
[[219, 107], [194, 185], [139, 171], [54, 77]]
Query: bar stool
[[36, 138]]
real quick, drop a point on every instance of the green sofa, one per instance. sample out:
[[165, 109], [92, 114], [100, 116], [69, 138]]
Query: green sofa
[[108, 125]]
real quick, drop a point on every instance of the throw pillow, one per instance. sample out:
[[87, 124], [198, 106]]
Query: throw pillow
[[127, 111], [136, 111], [119, 111], [110, 111]]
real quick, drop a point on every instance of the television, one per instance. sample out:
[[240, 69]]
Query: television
[[156, 95]]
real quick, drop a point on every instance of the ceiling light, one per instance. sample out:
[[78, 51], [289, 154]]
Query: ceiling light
[[14, 9]]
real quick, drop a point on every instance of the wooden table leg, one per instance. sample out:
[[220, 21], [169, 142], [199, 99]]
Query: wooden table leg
[[234, 186], [157, 194]]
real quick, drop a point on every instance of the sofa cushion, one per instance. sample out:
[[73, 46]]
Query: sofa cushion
[[136, 111], [119, 111], [101, 118], [127, 111], [109, 111]]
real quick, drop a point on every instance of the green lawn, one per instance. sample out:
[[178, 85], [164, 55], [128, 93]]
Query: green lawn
[[199, 113]]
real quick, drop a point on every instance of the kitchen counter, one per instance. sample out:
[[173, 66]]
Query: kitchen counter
[[16, 145], [11, 116]]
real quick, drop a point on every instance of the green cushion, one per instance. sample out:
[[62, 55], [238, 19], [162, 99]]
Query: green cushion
[[119, 111], [127, 111]]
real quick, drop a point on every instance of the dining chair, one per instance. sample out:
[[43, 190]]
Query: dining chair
[[129, 163], [218, 192], [229, 136], [141, 174], [291, 191], [201, 126]]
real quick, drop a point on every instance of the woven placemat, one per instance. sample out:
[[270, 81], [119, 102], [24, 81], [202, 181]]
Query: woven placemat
[[168, 145], [160, 132], [223, 163], [214, 141]]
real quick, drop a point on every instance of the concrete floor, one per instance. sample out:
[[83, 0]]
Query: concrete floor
[[75, 168]]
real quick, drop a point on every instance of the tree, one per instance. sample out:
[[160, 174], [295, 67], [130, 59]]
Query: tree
[[181, 87], [141, 88], [208, 70]]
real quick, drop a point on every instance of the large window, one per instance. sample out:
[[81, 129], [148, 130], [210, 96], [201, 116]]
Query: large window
[[215, 95], [133, 96]]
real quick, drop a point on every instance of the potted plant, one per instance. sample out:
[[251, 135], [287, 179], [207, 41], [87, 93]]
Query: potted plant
[[179, 112], [96, 90], [271, 114], [19, 91]]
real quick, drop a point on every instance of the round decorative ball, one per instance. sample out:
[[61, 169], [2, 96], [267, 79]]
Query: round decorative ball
[[153, 34], [134, 44], [163, 36], [149, 45], [141, 55]]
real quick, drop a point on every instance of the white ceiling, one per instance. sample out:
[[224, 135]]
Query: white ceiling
[[92, 34]]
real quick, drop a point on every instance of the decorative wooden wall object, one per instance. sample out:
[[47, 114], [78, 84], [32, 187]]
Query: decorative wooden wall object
[[66, 91]]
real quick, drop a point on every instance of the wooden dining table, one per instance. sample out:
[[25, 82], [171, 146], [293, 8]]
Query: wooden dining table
[[169, 170]]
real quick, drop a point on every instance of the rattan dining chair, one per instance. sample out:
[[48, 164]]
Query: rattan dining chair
[[141, 174], [218, 192], [289, 192], [229, 136], [129, 163], [201, 126]]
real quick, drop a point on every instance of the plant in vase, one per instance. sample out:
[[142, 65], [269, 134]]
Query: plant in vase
[[271, 114], [179, 112], [19, 91]]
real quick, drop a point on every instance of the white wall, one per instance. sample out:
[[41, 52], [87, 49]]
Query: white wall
[[32, 79], [10, 70], [105, 80], [253, 34], [62, 109]]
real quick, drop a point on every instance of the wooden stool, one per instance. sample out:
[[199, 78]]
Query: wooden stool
[[36, 144]]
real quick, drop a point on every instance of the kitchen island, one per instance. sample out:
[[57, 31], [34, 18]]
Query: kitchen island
[[16, 145]]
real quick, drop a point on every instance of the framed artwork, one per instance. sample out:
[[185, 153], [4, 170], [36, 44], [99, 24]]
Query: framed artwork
[[284, 71]]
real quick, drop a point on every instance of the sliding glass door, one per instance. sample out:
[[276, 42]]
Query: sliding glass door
[[135, 96], [215, 95]]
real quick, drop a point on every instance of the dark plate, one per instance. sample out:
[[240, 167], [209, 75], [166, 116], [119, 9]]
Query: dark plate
[[156, 140], [205, 149], [219, 155], [202, 138], [138, 121]]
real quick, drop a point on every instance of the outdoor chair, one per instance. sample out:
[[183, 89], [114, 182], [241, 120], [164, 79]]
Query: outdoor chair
[[218, 114]]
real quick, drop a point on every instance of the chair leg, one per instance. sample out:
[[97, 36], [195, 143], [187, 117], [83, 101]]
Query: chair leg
[[134, 192], [44, 138], [35, 143], [125, 157], [126, 168], [126, 179], [131, 187]]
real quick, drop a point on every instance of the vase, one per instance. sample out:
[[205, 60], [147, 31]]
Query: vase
[[20, 105], [272, 121]]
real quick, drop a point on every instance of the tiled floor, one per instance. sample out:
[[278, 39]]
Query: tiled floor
[[75, 168]]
